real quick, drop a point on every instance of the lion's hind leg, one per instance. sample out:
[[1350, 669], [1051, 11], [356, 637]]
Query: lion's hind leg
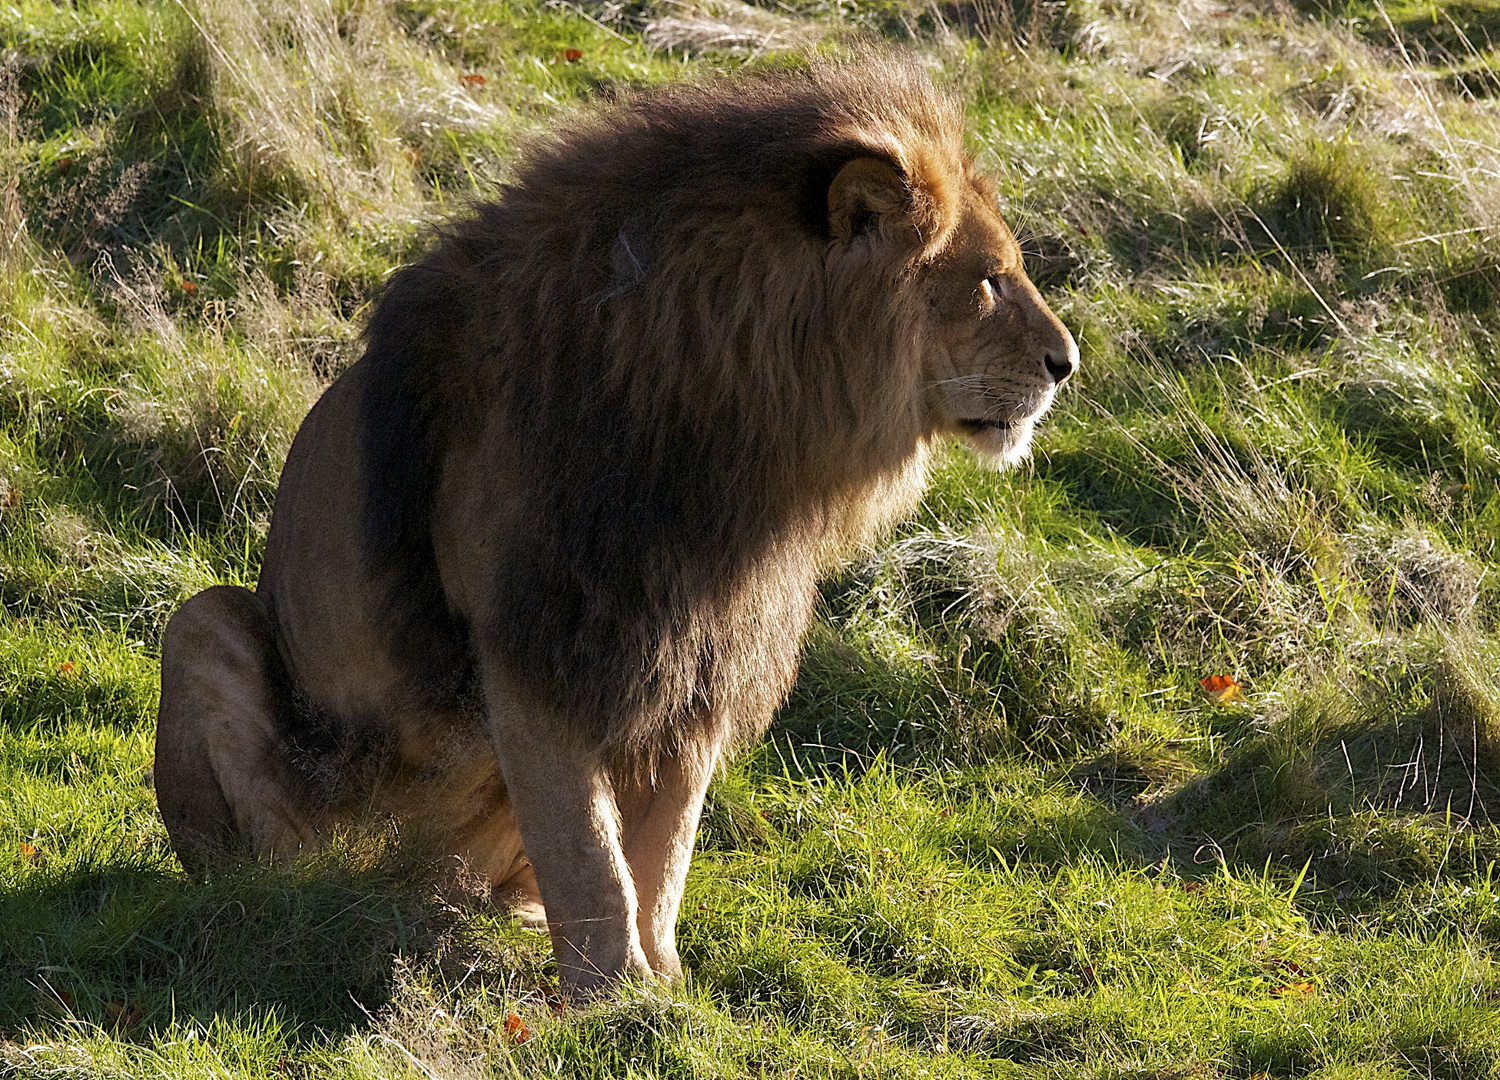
[[224, 781], [487, 860], [522, 897]]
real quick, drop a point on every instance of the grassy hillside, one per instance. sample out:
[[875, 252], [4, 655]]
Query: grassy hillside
[[1003, 827]]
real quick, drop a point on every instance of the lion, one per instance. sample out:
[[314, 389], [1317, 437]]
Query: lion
[[543, 556]]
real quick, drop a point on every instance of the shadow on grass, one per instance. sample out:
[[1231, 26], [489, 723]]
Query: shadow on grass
[[1369, 798], [1405, 812], [133, 946], [1372, 795]]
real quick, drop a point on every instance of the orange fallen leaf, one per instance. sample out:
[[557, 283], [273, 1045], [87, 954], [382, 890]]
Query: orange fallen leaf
[[1222, 688], [189, 288], [67, 667], [516, 1028], [13, 497], [474, 79], [28, 851], [572, 56], [1297, 989]]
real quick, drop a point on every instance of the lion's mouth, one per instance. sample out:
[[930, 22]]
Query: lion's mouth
[[975, 427]]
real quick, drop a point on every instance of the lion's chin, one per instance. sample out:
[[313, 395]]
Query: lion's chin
[[999, 445]]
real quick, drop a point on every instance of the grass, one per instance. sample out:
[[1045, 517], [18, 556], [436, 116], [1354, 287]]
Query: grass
[[1000, 829]]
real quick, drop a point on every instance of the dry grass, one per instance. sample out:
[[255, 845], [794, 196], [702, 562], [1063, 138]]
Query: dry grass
[[724, 26]]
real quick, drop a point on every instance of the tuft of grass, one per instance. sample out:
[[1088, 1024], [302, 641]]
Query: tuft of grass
[[1330, 199]]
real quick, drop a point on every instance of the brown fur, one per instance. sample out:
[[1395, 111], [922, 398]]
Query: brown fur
[[578, 492]]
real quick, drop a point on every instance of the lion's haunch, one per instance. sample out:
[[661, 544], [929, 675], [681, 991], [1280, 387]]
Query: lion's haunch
[[547, 550]]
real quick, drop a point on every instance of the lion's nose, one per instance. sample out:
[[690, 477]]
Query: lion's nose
[[1061, 363]]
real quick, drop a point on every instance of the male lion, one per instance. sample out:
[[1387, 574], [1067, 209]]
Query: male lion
[[545, 553]]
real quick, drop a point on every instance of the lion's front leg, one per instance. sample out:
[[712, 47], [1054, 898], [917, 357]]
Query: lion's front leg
[[570, 825], [659, 815]]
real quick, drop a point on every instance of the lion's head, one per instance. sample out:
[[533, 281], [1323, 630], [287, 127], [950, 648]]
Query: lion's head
[[989, 352], [996, 353]]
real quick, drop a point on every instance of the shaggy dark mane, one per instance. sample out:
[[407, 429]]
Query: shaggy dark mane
[[701, 404]]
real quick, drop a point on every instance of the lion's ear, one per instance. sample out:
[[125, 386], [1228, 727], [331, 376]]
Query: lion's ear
[[862, 192]]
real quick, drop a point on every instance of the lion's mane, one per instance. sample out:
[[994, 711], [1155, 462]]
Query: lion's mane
[[704, 405]]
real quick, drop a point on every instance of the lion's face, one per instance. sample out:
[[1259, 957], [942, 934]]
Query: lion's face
[[995, 354]]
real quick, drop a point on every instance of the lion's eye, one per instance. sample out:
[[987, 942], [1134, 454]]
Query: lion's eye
[[989, 296]]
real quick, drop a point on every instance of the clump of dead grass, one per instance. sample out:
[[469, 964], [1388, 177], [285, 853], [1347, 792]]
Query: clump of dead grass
[[971, 643], [1412, 576], [1464, 715], [1236, 470], [299, 328], [724, 26], [1330, 198]]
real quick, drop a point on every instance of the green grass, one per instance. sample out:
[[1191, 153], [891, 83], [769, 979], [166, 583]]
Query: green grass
[[999, 829]]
